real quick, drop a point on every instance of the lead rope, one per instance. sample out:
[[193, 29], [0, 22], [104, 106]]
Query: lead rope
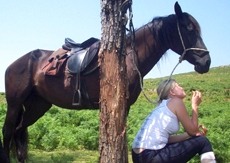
[[132, 34]]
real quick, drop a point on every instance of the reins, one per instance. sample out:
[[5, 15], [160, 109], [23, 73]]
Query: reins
[[180, 60]]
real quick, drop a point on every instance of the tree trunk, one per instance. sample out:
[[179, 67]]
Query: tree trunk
[[113, 85]]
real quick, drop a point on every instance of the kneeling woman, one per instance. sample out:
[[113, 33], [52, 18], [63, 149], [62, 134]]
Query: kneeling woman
[[155, 142]]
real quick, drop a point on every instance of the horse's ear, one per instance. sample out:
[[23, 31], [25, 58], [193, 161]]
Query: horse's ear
[[178, 10]]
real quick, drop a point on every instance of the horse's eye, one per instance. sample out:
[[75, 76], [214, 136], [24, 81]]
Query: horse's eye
[[190, 27]]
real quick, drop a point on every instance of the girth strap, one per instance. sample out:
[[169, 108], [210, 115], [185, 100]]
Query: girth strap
[[78, 62]]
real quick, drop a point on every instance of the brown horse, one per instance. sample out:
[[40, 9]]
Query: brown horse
[[30, 93]]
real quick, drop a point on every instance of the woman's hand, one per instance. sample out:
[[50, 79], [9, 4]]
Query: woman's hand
[[196, 99], [203, 130]]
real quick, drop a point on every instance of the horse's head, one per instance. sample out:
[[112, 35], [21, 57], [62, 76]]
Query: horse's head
[[188, 42]]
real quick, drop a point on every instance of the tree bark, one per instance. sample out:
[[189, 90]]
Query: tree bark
[[113, 85]]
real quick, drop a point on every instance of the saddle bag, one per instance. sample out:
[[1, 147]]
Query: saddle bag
[[54, 66]]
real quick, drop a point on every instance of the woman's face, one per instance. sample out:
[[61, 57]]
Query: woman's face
[[178, 91]]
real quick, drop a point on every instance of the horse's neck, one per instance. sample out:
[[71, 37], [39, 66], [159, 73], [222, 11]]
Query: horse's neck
[[150, 45]]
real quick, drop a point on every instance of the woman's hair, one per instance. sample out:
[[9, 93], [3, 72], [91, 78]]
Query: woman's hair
[[164, 88]]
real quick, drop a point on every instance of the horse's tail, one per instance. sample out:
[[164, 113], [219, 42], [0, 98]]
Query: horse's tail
[[19, 144], [3, 156]]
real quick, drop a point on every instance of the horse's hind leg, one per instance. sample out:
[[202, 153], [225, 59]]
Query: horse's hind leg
[[35, 107], [13, 109]]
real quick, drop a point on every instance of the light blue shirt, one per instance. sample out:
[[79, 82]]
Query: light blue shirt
[[157, 127]]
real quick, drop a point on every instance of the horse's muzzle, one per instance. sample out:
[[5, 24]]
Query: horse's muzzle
[[203, 67]]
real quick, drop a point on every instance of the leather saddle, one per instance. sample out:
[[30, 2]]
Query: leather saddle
[[77, 57], [80, 57], [70, 44], [81, 54]]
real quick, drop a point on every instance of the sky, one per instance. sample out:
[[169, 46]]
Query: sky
[[27, 25]]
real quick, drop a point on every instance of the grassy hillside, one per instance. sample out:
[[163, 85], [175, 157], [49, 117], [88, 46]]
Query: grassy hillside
[[68, 130], [214, 111]]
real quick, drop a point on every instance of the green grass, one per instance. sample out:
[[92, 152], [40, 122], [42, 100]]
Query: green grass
[[64, 156], [72, 136]]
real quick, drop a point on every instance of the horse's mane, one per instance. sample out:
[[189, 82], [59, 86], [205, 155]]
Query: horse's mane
[[155, 29], [168, 20], [162, 27]]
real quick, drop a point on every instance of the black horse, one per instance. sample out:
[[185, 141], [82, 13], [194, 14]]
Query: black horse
[[30, 93]]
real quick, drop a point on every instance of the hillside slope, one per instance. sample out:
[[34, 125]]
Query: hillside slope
[[77, 130]]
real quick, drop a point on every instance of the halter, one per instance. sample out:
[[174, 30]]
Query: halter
[[185, 50], [180, 60]]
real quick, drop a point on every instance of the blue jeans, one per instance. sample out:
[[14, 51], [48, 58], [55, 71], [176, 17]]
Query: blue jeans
[[180, 152]]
